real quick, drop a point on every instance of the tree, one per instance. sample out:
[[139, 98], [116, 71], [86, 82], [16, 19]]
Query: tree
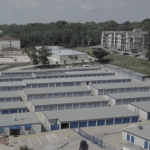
[[43, 54], [34, 57], [82, 61], [148, 50], [71, 57], [99, 54], [25, 147]]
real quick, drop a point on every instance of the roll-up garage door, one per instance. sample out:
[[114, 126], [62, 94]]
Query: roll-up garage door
[[121, 90], [53, 107], [100, 122], [147, 89], [37, 96], [13, 111], [114, 91], [16, 99], [5, 111], [55, 76], [56, 95], [10, 89], [50, 95], [104, 104], [55, 127], [61, 76], [123, 81], [46, 108], [107, 92], [134, 119], [29, 97], [44, 77], [2, 100], [76, 94], [52, 85], [65, 84], [141, 89], [40, 85], [78, 83], [69, 94], [75, 106], [100, 92], [58, 84], [125, 101], [16, 88], [45, 85], [88, 93], [93, 82], [109, 81], [98, 82], [83, 105], [103, 82], [126, 120], [8, 99], [63, 95], [82, 93], [71, 84], [118, 81], [80, 75], [68, 106], [109, 122], [61, 107], [128, 90], [118, 121], [34, 85], [91, 105], [145, 99], [138, 99], [92, 123], [131, 100], [98, 104], [118, 102], [134, 89], [148, 116], [83, 124], [38, 108], [73, 125], [4, 89], [28, 86]]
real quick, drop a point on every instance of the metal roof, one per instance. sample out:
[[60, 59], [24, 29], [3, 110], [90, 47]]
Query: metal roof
[[91, 67], [50, 101], [144, 133], [12, 105], [21, 71], [142, 105], [126, 70], [114, 66], [139, 74], [129, 95], [15, 76], [9, 94], [8, 84], [22, 119], [60, 80], [122, 85], [59, 69], [89, 113], [56, 90]]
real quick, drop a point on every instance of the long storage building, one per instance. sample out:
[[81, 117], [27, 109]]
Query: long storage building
[[60, 92], [99, 89], [38, 105], [78, 118], [124, 98]]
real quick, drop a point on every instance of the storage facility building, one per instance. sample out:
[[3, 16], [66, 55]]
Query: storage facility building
[[139, 76], [126, 72], [99, 89], [78, 118], [12, 108], [124, 98], [138, 135], [19, 124], [68, 103], [112, 67], [60, 92], [141, 108], [11, 96]]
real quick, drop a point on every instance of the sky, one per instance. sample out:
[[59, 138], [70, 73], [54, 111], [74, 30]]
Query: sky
[[46, 11]]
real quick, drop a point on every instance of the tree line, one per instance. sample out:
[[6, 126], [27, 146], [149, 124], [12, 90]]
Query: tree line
[[62, 33]]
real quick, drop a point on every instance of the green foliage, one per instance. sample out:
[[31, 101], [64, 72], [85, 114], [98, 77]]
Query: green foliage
[[56, 62], [82, 61], [25, 147], [148, 51], [64, 61], [76, 57], [71, 57], [34, 57], [99, 54]]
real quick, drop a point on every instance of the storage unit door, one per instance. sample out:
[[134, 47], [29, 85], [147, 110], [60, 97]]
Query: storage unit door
[[109, 122], [4, 89], [8, 99], [52, 85], [2, 100], [118, 121], [37, 96], [34, 85], [40, 85], [132, 139], [83, 105], [104, 104], [88, 93], [118, 102], [145, 99], [125, 101], [56, 95], [100, 92], [131, 100], [114, 91], [128, 90], [55, 127], [38, 108], [45, 85], [98, 104], [76, 94], [141, 89], [10, 89], [68, 106], [43, 96], [91, 105], [134, 119], [50, 96], [126, 120], [73, 125], [71, 84], [82, 93], [134, 89], [5, 112], [78, 83], [53, 107], [100, 122], [69, 94], [58, 84], [147, 89], [107, 92], [83, 124], [61, 107], [146, 145], [148, 118], [121, 90], [92, 123], [14, 111], [128, 137], [65, 84], [75, 106], [138, 99], [46, 108], [118, 81], [29, 97], [16, 99], [63, 95]]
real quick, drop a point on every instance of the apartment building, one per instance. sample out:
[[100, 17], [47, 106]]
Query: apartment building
[[128, 41]]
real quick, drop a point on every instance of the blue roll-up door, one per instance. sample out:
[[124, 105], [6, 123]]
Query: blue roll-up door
[[126, 120], [14, 127], [100, 122], [109, 122], [13, 111], [5, 111], [27, 126], [55, 127], [118, 121], [1, 128], [83, 124], [128, 137], [24, 110], [73, 125], [92, 123], [134, 119], [132, 139], [146, 145], [148, 116]]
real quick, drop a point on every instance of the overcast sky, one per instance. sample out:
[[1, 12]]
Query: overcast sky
[[45, 11]]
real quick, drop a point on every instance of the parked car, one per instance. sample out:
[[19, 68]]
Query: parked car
[[83, 145]]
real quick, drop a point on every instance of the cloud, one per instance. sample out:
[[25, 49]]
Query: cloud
[[61, 8], [88, 5]]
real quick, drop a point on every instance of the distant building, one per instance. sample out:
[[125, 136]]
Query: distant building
[[10, 46], [127, 41]]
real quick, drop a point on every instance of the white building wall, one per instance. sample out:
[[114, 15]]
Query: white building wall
[[6, 44]]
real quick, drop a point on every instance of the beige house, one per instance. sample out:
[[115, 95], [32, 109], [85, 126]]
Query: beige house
[[10, 46]]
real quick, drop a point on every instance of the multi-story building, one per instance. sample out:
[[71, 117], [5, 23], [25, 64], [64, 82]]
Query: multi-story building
[[10, 46], [128, 41]]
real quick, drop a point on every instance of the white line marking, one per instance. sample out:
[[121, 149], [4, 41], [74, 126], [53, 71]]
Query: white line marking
[[47, 138], [29, 141], [56, 137], [51, 138], [19, 141], [39, 140]]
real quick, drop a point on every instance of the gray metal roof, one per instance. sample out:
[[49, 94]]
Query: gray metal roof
[[101, 78], [59, 69], [126, 70], [122, 85], [18, 71], [142, 105], [113, 66], [144, 133], [91, 67], [130, 95], [12, 105], [66, 100], [89, 113], [8, 84], [56, 90], [139, 74], [28, 118], [16, 76], [9, 94]]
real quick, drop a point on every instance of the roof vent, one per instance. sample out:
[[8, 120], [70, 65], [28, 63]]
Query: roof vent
[[15, 119], [140, 127], [21, 118]]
